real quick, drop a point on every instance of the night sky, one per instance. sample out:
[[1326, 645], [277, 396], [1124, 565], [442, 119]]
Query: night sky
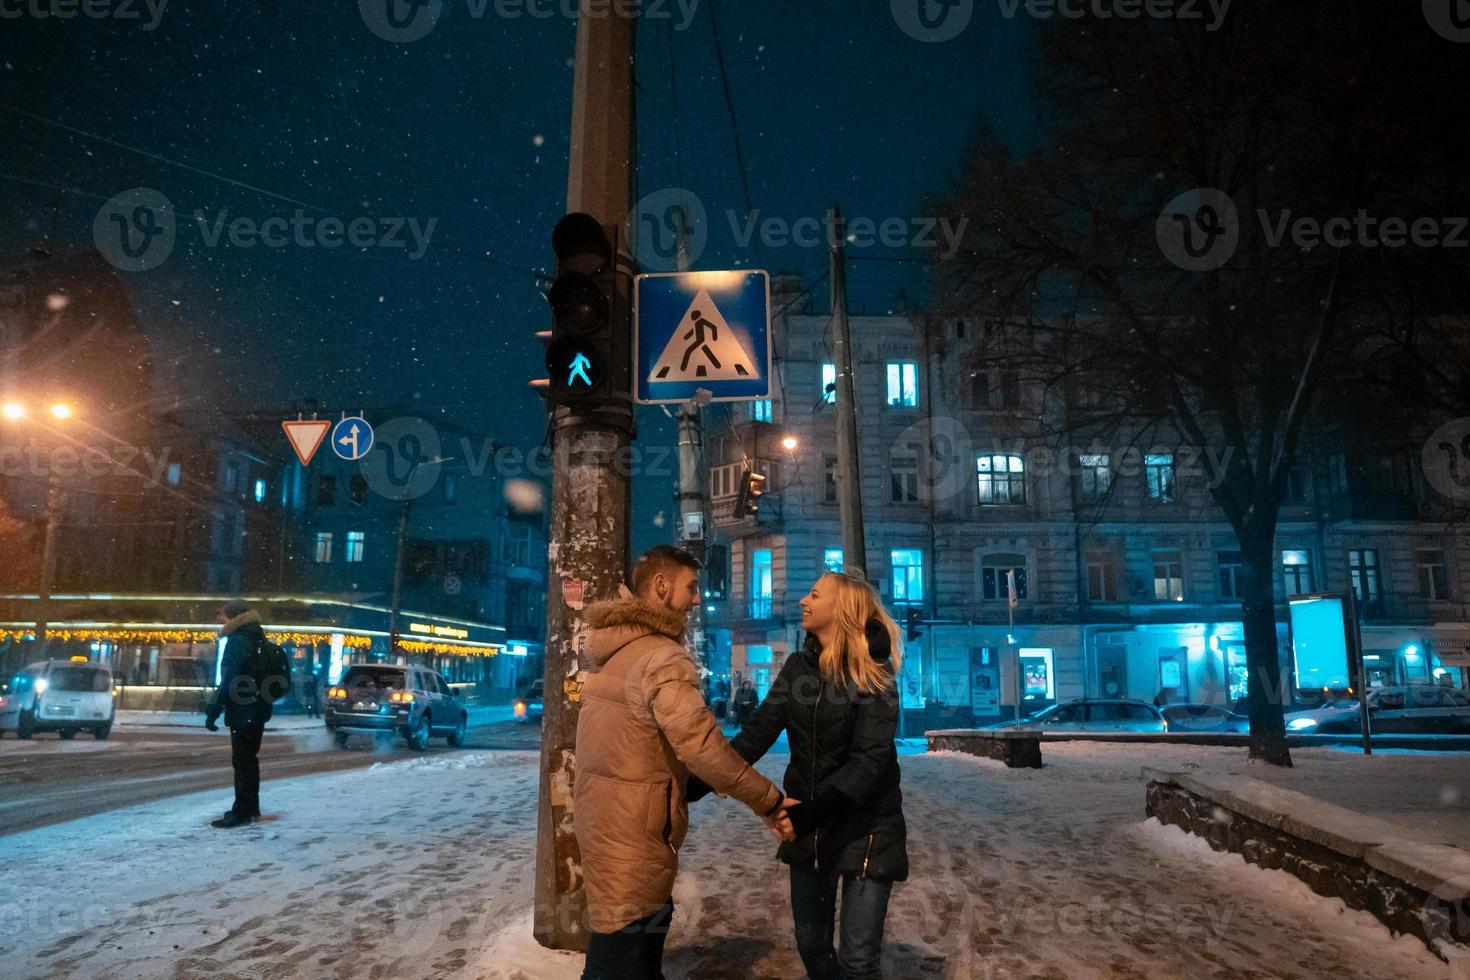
[[264, 108]]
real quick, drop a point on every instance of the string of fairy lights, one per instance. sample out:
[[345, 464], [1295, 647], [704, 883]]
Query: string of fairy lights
[[130, 635]]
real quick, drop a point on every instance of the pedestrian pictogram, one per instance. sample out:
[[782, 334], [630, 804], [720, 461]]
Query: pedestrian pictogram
[[578, 369], [708, 330], [352, 438], [305, 436], [702, 348]]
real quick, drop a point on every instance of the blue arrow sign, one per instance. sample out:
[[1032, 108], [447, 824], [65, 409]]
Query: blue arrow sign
[[694, 330], [352, 438]]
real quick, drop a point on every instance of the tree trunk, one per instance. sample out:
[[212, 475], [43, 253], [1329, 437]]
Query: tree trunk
[[1265, 689]]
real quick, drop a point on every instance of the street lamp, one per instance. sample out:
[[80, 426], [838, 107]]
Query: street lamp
[[789, 443], [14, 410], [61, 411]]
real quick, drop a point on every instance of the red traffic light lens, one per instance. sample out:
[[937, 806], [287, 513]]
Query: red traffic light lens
[[580, 244]]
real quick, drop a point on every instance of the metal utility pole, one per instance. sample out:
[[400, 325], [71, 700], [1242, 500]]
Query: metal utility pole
[[55, 500], [398, 562], [693, 517], [849, 479], [587, 555]]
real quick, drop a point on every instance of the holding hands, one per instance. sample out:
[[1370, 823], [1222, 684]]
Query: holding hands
[[778, 821]]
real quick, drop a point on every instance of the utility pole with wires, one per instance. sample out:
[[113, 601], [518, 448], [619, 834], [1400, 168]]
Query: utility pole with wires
[[849, 476], [591, 438]]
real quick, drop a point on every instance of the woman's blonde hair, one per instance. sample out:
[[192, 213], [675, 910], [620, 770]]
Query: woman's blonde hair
[[848, 660]]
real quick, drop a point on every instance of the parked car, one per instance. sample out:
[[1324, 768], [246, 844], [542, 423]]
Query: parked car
[[528, 706], [1094, 715], [1415, 709], [62, 696], [1204, 718], [413, 703]]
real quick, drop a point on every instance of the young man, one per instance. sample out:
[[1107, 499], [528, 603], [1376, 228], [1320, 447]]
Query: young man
[[245, 709], [643, 729]]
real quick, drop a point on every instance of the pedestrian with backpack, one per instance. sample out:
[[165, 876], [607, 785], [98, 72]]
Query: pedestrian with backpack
[[249, 682]]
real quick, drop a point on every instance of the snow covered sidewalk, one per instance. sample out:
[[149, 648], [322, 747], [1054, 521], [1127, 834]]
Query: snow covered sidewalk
[[424, 868]]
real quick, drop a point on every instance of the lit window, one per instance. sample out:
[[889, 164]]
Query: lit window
[[323, 547], [903, 384], [832, 559], [994, 572], [1296, 572], [175, 473], [259, 491], [1096, 475], [829, 479], [355, 542], [1363, 570], [1158, 469], [760, 583], [1001, 478], [829, 383], [908, 575], [760, 410], [1168, 576]]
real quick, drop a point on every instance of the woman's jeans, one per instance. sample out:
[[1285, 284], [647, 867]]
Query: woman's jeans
[[864, 907]]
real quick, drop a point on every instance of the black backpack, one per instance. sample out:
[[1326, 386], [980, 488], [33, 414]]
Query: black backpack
[[271, 669]]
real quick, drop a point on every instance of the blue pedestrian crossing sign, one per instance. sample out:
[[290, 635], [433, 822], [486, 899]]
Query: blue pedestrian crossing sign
[[352, 438], [694, 330]]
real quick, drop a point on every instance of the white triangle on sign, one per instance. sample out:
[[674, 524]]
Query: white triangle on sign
[[703, 348], [306, 436]]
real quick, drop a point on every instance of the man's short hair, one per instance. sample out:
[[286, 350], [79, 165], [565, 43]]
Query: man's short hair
[[661, 558], [235, 607]]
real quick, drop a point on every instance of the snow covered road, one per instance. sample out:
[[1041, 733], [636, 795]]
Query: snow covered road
[[423, 868]]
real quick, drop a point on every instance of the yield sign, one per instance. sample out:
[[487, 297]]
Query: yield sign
[[305, 436]]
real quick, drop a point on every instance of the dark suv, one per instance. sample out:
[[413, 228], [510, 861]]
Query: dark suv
[[413, 702]]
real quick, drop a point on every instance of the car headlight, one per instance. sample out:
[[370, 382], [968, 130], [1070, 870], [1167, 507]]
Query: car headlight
[[41, 685], [1301, 724]]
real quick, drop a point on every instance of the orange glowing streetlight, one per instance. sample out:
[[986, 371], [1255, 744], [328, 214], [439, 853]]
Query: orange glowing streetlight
[[790, 443], [61, 410], [13, 410]]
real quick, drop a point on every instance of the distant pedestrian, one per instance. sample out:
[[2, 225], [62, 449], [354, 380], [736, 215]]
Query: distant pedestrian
[[311, 691], [245, 708], [745, 703]]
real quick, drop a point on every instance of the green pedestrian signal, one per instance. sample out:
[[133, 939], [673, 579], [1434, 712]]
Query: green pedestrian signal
[[580, 364]]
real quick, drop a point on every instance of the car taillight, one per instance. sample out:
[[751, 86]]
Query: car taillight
[[520, 709], [401, 696], [336, 692]]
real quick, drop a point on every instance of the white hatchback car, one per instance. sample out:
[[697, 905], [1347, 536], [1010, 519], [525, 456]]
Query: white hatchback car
[[63, 696]]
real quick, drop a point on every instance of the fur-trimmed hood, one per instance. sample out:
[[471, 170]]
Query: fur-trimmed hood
[[618, 622], [247, 617]]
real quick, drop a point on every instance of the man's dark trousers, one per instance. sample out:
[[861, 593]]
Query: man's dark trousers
[[245, 757], [635, 952]]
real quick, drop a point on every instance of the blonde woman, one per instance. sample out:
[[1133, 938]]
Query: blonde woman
[[837, 701]]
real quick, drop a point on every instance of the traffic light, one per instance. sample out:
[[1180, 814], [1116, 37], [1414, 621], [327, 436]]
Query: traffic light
[[913, 626], [579, 350], [748, 498]]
